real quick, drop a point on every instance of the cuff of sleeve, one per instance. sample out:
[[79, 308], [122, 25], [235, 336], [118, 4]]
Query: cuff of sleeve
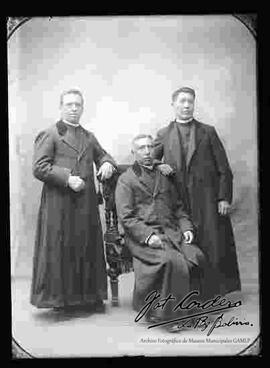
[[184, 230], [106, 159], [61, 175], [67, 177], [225, 200]]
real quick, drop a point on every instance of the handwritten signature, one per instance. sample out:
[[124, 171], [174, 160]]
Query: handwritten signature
[[204, 322], [198, 320]]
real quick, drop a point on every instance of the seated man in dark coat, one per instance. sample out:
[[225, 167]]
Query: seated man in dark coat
[[158, 233]]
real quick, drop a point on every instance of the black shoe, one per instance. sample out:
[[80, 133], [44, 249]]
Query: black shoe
[[64, 309], [58, 309], [174, 328], [153, 319]]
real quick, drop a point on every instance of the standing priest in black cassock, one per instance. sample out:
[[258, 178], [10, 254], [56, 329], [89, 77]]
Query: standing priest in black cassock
[[195, 153], [69, 265], [158, 233]]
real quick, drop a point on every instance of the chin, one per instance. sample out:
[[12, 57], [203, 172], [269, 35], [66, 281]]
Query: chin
[[73, 121]]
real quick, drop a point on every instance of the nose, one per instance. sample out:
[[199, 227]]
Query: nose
[[147, 151], [74, 107]]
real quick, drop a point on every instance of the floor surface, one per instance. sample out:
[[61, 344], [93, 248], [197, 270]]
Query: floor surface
[[46, 333]]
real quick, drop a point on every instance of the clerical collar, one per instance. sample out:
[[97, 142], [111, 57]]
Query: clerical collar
[[148, 167], [68, 123], [183, 121]]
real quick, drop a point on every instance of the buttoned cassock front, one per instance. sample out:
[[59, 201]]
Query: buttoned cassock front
[[143, 210], [204, 178], [69, 264]]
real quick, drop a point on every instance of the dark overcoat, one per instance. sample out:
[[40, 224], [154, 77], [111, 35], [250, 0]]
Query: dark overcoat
[[69, 264], [144, 210], [204, 178]]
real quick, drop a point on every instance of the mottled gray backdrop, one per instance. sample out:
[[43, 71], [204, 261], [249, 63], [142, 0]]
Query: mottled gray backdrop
[[127, 68]]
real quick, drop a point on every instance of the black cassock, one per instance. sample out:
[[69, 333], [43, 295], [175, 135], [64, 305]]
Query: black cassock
[[204, 178], [69, 264]]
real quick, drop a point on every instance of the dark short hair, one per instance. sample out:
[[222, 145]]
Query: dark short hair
[[73, 91], [182, 89], [140, 136]]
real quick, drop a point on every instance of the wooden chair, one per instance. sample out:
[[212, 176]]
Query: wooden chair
[[118, 257]]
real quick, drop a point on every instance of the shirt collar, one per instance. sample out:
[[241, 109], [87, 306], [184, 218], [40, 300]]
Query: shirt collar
[[68, 123], [183, 121], [148, 167]]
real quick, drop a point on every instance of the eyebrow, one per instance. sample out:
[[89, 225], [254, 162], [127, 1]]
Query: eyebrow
[[146, 145]]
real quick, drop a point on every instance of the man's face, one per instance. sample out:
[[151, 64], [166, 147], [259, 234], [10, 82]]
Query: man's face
[[183, 106], [71, 108], [143, 151]]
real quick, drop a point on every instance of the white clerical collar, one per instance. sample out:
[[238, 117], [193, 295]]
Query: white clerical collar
[[183, 121], [68, 123]]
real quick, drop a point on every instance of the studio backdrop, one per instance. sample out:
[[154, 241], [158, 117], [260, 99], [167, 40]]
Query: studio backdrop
[[127, 68]]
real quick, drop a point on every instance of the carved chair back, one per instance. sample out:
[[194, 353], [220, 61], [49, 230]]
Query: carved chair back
[[118, 257]]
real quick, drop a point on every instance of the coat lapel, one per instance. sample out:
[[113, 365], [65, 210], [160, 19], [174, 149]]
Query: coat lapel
[[137, 170], [139, 175], [175, 151], [157, 183], [196, 135], [144, 184], [85, 142], [65, 135], [67, 138], [192, 144]]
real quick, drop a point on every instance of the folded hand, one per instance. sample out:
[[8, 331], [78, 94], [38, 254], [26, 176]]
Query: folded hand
[[76, 183]]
